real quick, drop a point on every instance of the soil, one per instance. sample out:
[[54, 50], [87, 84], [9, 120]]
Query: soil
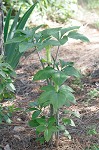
[[86, 58]]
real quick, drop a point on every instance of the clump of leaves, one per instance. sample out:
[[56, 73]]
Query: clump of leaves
[[55, 72], [6, 113], [7, 88]]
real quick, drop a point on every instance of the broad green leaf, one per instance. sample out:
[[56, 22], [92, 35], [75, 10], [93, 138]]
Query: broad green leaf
[[24, 46], [71, 71], [57, 100], [41, 140], [52, 31], [13, 26], [16, 40], [68, 121], [64, 30], [44, 97], [33, 123], [61, 127], [66, 133], [31, 109], [25, 17], [41, 128], [2, 73], [6, 27], [69, 97], [66, 88], [53, 43], [10, 87], [44, 74], [53, 129], [47, 88], [47, 134], [59, 77], [33, 104], [78, 36], [76, 114], [41, 121], [51, 121], [7, 119], [64, 63], [63, 40], [36, 114]]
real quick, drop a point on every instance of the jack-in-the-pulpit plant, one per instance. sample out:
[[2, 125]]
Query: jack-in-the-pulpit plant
[[55, 94]]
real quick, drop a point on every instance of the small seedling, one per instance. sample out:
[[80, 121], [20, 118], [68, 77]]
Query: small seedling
[[55, 72]]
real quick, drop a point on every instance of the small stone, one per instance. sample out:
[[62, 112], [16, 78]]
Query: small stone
[[18, 129], [17, 137], [7, 147]]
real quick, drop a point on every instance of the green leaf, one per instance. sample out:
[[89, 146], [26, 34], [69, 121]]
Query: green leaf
[[33, 123], [78, 36], [24, 19], [6, 27], [59, 77], [51, 121], [61, 127], [44, 74], [44, 97], [24, 46], [52, 31], [41, 128], [47, 134], [33, 104], [64, 64], [16, 40], [42, 120], [66, 88], [64, 30], [11, 87], [57, 100], [13, 26], [53, 43], [68, 121], [2, 73], [66, 133], [69, 97], [76, 114], [63, 40], [36, 114], [71, 71], [31, 109], [47, 88]]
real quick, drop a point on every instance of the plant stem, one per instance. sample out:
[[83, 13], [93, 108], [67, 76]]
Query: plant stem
[[57, 133], [40, 60], [56, 54], [48, 54], [57, 120]]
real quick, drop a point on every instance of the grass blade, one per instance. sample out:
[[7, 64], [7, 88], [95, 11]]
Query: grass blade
[[24, 19], [13, 26], [6, 27]]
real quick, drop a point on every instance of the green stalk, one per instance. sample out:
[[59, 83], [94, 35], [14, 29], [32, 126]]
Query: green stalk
[[57, 121], [48, 54]]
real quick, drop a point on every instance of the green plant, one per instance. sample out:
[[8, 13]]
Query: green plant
[[93, 93], [55, 72], [92, 131], [93, 147], [6, 113], [6, 83], [11, 53], [63, 10]]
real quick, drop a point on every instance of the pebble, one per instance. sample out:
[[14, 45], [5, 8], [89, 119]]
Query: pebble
[[7, 147], [18, 129]]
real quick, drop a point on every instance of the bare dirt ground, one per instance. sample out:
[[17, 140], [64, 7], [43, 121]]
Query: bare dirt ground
[[86, 58]]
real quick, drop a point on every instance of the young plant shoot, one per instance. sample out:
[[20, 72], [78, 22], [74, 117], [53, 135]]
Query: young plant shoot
[[55, 72]]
